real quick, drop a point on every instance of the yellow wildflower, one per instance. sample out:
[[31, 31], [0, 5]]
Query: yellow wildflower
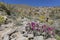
[[1, 19], [50, 21], [42, 18]]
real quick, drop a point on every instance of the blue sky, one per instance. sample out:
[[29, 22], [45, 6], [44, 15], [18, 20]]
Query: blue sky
[[34, 2]]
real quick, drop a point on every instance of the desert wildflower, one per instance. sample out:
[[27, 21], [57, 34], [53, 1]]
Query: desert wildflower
[[50, 21], [42, 18], [1, 19]]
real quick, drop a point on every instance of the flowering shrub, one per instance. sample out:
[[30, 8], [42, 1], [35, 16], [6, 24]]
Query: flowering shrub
[[1, 19], [39, 30], [33, 25], [48, 30]]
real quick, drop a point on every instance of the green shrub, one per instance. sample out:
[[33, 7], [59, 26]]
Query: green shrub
[[57, 37], [1, 19]]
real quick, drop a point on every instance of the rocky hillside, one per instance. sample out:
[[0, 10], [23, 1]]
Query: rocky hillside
[[22, 22]]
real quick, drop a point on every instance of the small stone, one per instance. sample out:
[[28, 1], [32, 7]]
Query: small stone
[[30, 35], [38, 38], [51, 39], [6, 37]]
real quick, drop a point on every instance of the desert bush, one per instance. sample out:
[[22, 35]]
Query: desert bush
[[39, 29], [1, 19]]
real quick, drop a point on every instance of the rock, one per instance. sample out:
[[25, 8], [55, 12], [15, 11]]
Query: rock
[[6, 37], [21, 37], [51, 39], [8, 31], [25, 34], [13, 39], [38, 38], [30, 35]]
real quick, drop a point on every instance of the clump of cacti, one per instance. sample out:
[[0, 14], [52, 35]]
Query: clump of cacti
[[39, 29]]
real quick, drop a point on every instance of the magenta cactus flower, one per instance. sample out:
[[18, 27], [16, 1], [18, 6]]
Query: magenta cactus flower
[[50, 30], [44, 28], [33, 24], [38, 29]]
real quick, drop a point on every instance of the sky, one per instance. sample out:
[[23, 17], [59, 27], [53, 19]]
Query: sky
[[34, 2]]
